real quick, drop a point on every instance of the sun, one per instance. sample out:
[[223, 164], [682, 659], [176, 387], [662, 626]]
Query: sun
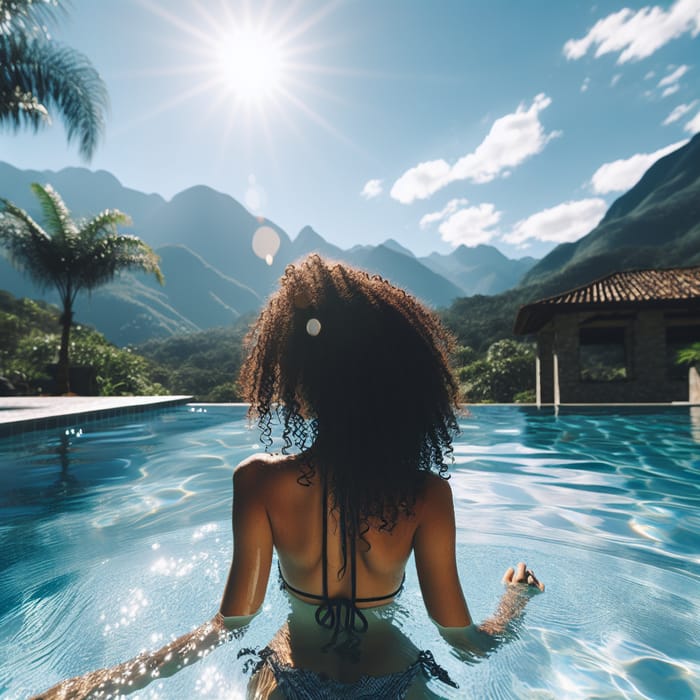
[[251, 64]]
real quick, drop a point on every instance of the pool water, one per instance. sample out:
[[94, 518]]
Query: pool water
[[115, 537]]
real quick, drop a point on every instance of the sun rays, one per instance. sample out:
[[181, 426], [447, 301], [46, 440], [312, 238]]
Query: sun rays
[[252, 67]]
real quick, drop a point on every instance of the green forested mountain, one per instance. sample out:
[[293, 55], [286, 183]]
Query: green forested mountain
[[656, 224], [212, 272]]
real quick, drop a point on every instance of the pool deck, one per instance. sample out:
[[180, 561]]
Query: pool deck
[[19, 414]]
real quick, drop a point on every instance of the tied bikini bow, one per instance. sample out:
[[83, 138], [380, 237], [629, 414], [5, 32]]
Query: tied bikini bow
[[342, 615]]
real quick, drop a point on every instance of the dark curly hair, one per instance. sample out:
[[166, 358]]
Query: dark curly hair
[[358, 369]]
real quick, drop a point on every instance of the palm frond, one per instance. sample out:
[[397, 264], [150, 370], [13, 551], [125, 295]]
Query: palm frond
[[39, 73], [28, 246], [113, 253], [17, 213], [105, 221], [689, 355], [25, 15], [56, 214]]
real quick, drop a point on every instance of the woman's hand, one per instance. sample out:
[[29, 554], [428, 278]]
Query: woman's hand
[[521, 574]]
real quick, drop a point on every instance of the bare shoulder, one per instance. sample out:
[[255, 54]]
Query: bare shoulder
[[261, 466], [436, 495], [436, 488]]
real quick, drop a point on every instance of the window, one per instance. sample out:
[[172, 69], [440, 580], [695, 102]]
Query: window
[[602, 354]]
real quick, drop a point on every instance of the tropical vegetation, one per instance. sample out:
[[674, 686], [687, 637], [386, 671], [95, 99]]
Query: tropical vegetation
[[205, 364], [29, 348], [41, 78], [689, 355], [504, 374], [70, 256]]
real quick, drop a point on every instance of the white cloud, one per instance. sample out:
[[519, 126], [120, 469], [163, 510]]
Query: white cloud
[[372, 189], [566, 222], [585, 84], [620, 175], [679, 112], [471, 226], [615, 79], [637, 34], [649, 75], [670, 90], [693, 126], [512, 139], [450, 208], [674, 77]]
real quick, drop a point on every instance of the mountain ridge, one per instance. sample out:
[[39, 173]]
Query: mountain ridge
[[205, 238], [654, 224]]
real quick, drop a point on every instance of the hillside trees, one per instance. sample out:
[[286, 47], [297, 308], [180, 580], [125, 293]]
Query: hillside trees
[[71, 256], [204, 364], [29, 343], [505, 374]]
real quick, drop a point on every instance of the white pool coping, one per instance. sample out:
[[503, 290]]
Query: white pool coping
[[19, 414]]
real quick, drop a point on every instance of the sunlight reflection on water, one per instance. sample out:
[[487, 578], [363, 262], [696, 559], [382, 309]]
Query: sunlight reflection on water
[[603, 508]]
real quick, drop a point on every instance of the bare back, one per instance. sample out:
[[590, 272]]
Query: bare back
[[273, 507]]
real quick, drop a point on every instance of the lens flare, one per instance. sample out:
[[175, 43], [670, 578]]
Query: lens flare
[[266, 243]]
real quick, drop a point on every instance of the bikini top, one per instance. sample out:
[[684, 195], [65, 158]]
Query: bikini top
[[339, 614]]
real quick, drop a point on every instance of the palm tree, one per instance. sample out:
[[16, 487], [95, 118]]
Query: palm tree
[[70, 255], [39, 76]]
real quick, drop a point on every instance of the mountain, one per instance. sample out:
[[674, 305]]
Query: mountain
[[221, 231], [404, 271], [206, 241], [482, 269], [655, 224], [308, 241], [86, 192], [397, 247]]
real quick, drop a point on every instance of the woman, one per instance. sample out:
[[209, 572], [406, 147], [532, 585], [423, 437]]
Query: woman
[[357, 373]]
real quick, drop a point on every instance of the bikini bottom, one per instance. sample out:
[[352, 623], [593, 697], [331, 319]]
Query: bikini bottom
[[302, 684]]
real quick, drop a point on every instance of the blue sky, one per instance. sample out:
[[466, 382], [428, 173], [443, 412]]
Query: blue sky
[[434, 123]]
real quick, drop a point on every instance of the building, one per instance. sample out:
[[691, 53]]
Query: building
[[615, 339]]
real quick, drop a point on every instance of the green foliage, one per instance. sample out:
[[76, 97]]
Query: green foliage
[[71, 256], [505, 374], [41, 78], [29, 343], [479, 321], [689, 355], [204, 365], [119, 371], [527, 396], [224, 393], [464, 355]]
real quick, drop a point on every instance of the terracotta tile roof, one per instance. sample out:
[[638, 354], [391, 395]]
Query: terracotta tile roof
[[634, 288]]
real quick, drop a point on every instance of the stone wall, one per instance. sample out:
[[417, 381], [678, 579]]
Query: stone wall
[[647, 378]]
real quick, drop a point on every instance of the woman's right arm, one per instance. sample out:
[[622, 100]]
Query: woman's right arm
[[436, 563]]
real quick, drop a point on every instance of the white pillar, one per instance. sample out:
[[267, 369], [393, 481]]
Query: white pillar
[[555, 366], [693, 385]]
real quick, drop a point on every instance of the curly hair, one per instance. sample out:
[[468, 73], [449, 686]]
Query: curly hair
[[359, 369]]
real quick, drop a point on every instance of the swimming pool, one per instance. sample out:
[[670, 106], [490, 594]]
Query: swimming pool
[[115, 537]]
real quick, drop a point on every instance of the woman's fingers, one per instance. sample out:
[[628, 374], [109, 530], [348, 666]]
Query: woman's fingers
[[521, 574], [533, 581]]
